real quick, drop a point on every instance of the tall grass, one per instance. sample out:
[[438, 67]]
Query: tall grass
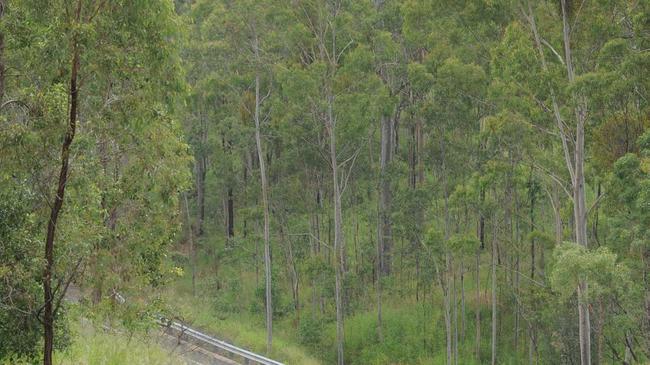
[[97, 347], [242, 328]]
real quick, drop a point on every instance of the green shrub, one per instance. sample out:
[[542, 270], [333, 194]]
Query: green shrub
[[310, 332]]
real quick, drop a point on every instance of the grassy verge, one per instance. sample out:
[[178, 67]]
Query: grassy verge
[[240, 328], [92, 346]]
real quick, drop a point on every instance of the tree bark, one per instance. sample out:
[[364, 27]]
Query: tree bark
[[192, 249], [443, 277], [462, 300], [517, 242], [378, 274], [494, 291], [557, 217], [385, 195], [48, 310], [455, 312], [338, 228], [448, 259], [575, 168], [579, 199], [532, 228], [231, 214], [481, 197], [478, 305], [265, 205], [2, 52], [200, 193]]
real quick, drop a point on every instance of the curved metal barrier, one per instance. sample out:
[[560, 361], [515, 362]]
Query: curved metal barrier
[[221, 345]]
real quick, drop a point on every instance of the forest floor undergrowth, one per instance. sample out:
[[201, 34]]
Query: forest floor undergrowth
[[413, 330]]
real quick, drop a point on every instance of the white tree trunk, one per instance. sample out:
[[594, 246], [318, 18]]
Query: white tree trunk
[[385, 194], [579, 200], [265, 205], [478, 305], [575, 168], [494, 291], [338, 229], [192, 249]]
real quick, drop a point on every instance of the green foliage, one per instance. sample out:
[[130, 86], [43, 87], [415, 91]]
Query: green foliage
[[574, 264], [310, 333], [463, 245], [19, 273], [402, 343]]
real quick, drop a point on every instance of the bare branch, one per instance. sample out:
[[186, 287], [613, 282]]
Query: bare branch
[[552, 50], [14, 101], [596, 203], [343, 50], [555, 178], [72, 275]]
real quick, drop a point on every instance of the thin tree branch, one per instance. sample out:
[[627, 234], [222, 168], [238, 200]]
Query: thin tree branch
[[555, 178], [559, 57]]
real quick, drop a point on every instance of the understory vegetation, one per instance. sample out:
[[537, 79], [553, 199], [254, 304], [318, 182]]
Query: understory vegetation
[[92, 346]]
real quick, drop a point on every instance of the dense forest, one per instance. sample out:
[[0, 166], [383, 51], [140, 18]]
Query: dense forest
[[326, 181]]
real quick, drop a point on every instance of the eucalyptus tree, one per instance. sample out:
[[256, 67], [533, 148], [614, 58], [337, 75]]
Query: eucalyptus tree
[[250, 41], [579, 31], [78, 43], [337, 86]]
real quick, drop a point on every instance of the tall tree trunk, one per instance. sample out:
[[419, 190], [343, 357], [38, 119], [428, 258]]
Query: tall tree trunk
[[385, 195], [579, 200], [201, 170], [190, 235], [494, 291], [443, 278], [412, 176], [481, 219], [532, 228], [601, 332], [531, 329], [478, 305], [355, 240], [98, 285], [594, 226], [48, 296], [575, 168], [517, 241], [231, 214], [531, 345], [462, 300], [557, 218], [338, 227], [448, 259], [2, 52], [420, 148], [455, 309], [378, 275], [200, 193], [257, 257], [265, 205]]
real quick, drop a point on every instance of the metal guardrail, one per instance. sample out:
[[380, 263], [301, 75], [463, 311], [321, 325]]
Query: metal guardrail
[[222, 345]]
